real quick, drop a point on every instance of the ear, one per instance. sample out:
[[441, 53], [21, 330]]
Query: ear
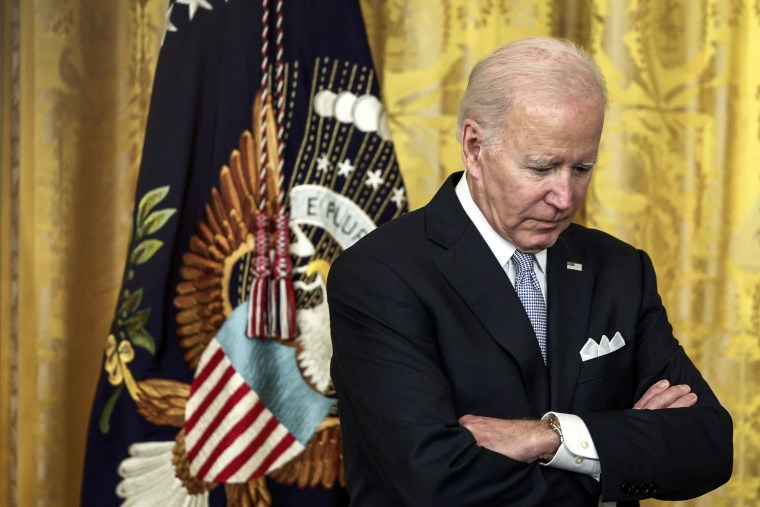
[[472, 148]]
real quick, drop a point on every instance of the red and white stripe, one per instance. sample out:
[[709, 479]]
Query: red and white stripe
[[230, 435]]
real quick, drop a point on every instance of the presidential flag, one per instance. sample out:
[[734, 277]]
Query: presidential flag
[[267, 153]]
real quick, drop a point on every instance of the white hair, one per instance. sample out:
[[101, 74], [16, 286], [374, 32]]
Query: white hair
[[535, 65]]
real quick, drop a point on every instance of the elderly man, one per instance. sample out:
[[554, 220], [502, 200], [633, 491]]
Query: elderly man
[[489, 352]]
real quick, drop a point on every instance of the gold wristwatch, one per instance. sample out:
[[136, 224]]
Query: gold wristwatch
[[555, 427]]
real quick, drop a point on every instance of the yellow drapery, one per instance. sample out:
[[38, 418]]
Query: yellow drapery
[[677, 176], [76, 80]]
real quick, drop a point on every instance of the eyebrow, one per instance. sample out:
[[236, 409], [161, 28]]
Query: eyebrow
[[547, 162], [539, 162]]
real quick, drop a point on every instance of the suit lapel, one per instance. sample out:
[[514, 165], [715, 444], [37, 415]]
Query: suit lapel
[[472, 270], [570, 292]]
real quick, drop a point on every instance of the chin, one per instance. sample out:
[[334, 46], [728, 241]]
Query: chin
[[539, 236], [537, 243]]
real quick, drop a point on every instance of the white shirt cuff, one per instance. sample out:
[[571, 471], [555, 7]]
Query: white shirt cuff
[[576, 453]]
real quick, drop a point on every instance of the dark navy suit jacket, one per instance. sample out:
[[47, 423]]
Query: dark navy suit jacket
[[426, 327]]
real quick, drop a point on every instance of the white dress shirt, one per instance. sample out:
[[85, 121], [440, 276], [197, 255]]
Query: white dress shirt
[[577, 452]]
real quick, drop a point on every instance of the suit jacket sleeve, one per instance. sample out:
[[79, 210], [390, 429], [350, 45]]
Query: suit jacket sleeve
[[671, 453], [402, 441]]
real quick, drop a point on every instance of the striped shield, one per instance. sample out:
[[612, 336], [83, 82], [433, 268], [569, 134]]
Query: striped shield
[[249, 411]]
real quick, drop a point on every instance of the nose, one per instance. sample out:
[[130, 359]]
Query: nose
[[560, 193]]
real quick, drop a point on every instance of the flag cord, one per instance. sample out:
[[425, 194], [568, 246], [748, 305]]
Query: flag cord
[[280, 110], [264, 104], [272, 303], [278, 95]]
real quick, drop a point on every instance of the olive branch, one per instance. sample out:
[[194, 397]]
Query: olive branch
[[130, 319]]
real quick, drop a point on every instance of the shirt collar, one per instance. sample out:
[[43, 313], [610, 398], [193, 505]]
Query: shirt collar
[[500, 247]]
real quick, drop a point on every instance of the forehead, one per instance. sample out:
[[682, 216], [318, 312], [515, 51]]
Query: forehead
[[542, 130], [582, 115]]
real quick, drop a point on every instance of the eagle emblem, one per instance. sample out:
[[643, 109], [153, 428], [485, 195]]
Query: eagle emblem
[[264, 407]]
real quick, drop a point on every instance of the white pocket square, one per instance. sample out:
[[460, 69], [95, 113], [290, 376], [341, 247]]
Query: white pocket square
[[593, 350]]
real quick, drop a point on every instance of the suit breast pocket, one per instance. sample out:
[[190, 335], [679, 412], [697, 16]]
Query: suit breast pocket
[[606, 365], [606, 383]]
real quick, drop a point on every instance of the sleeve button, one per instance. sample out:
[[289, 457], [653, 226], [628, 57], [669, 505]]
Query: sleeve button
[[650, 489]]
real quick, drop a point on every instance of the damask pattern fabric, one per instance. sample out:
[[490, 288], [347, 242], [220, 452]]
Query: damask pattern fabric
[[676, 173], [677, 176]]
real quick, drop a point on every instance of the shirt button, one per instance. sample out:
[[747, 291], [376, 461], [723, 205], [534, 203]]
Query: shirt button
[[584, 444], [578, 460]]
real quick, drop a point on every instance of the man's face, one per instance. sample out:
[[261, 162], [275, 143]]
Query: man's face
[[530, 183]]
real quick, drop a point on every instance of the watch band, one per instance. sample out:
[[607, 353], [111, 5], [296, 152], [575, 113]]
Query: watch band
[[556, 427]]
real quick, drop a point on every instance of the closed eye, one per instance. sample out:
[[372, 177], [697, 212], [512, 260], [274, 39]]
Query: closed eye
[[583, 168]]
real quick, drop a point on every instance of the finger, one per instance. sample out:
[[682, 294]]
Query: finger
[[656, 388], [684, 401], [466, 419], [470, 421], [666, 398]]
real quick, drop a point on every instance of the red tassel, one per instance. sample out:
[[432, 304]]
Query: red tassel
[[282, 299], [258, 325]]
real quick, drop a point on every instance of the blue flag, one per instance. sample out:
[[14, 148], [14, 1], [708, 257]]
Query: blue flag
[[267, 153]]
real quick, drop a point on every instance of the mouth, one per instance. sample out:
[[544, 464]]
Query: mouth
[[550, 223]]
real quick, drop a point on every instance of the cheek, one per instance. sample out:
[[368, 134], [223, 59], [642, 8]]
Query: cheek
[[579, 192], [529, 198], [524, 207]]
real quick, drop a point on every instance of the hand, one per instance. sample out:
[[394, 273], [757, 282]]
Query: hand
[[521, 440], [663, 395]]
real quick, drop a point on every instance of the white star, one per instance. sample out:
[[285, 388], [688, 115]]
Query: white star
[[193, 5], [374, 179], [323, 163], [169, 25], [345, 168], [398, 197]]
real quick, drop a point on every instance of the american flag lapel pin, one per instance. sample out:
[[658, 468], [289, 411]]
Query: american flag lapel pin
[[575, 266]]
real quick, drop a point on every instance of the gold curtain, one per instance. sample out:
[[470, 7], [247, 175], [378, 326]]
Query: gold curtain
[[677, 176], [76, 79]]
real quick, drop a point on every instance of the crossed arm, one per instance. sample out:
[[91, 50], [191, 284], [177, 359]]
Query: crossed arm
[[534, 440], [401, 377]]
